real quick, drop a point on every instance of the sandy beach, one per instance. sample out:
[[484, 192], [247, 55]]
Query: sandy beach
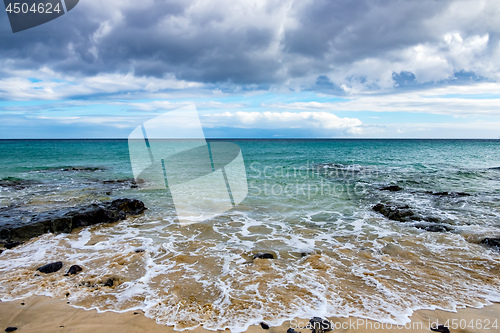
[[44, 314]]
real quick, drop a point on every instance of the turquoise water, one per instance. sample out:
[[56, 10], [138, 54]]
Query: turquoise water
[[309, 203]]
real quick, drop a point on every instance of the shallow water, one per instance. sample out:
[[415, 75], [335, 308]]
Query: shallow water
[[309, 203]]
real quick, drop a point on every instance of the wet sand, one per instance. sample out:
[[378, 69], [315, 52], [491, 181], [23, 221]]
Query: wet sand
[[44, 314]]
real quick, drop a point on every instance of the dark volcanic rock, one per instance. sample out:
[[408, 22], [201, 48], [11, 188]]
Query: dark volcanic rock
[[128, 206], [128, 182], [110, 282], [50, 268], [64, 220], [396, 213], [75, 269], [11, 245], [291, 330], [433, 227], [82, 169], [10, 329], [16, 183], [449, 194], [264, 326], [319, 325], [392, 188], [495, 242], [441, 329], [263, 256]]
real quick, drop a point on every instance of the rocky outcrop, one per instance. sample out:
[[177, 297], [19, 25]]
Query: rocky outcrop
[[403, 213], [21, 226]]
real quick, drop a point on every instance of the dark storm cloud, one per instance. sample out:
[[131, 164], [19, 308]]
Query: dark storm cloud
[[242, 42], [349, 30]]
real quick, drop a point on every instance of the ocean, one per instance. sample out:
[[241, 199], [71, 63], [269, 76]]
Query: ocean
[[310, 204]]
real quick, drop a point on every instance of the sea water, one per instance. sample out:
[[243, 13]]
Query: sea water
[[309, 204]]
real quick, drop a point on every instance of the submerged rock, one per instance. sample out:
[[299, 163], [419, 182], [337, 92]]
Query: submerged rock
[[92, 169], [75, 269], [392, 188], [50, 268], [396, 213], [64, 220], [433, 227], [449, 194], [17, 183], [494, 242], [263, 256]]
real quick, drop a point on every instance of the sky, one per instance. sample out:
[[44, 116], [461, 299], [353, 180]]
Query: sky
[[257, 69]]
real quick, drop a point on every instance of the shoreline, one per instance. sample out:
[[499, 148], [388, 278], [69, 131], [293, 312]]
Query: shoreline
[[44, 314]]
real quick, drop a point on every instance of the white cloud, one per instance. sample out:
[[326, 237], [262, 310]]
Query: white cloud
[[453, 100], [280, 120], [50, 85]]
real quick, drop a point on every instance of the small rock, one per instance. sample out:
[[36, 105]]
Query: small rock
[[22, 303], [67, 294], [263, 256], [320, 325], [441, 329], [291, 330], [110, 282], [10, 329], [139, 250], [494, 242], [264, 326], [392, 188], [74, 269], [50, 268]]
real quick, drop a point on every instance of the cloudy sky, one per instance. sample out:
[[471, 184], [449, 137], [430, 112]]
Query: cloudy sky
[[257, 68]]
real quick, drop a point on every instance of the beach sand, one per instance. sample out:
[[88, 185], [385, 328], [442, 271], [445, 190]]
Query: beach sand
[[44, 314]]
